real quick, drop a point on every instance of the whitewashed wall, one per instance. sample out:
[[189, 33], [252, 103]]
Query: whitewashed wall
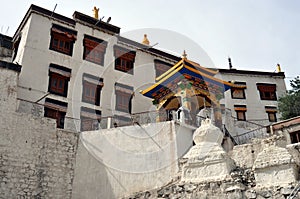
[[35, 57], [36, 159], [255, 106], [116, 162]]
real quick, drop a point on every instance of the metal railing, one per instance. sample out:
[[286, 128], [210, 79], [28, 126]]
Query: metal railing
[[227, 133], [79, 124], [86, 124], [246, 137], [245, 131], [37, 109]]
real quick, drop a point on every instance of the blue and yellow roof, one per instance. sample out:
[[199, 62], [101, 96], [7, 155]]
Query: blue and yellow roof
[[199, 77]]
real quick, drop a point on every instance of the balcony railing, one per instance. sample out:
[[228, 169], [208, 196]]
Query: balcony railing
[[256, 130]]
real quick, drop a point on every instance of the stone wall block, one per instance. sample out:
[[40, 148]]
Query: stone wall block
[[275, 166], [36, 159]]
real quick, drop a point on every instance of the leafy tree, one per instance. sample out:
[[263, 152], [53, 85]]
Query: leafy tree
[[289, 105]]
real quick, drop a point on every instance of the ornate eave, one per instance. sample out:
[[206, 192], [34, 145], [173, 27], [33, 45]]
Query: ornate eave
[[201, 79]]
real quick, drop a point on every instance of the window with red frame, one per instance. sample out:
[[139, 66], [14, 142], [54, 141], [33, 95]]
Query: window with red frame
[[62, 39], [295, 137], [58, 84], [92, 86], [123, 101], [61, 43], [124, 59], [91, 93], [55, 114], [238, 93], [124, 95], [125, 65], [94, 50], [56, 110], [271, 111], [267, 91], [90, 119], [240, 112], [161, 67], [59, 77]]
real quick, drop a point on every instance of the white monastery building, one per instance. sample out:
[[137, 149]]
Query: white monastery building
[[87, 113], [82, 73]]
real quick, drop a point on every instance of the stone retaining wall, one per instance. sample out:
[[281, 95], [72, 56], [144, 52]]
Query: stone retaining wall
[[36, 159]]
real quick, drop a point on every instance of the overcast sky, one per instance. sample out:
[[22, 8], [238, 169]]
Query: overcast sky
[[256, 34]]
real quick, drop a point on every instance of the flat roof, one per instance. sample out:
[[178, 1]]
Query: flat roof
[[97, 24], [141, 46], [106, 27], [77, 16], [286, 123], [11, 66], [5, 41], [245, 72]]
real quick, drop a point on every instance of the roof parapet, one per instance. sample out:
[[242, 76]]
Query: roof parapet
[[95, 22]]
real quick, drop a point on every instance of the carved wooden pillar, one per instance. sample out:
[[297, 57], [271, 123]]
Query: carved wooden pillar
[[217, 112], [185, 93], [217, 115]]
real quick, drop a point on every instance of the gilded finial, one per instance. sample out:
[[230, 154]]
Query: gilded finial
[[184, 55], [278, 68], [145, 40], [96, 11]]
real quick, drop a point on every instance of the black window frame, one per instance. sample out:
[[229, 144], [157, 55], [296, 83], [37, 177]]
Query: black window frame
[[240, 109], [233, 89], [92, 45], [267, 91], [97, 86], [62, 35], [124, 59], [271, 110], [56, 76], [123, 98], [59, 114], [89, 120]]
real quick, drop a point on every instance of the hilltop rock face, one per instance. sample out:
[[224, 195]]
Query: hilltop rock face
[[216, 190]]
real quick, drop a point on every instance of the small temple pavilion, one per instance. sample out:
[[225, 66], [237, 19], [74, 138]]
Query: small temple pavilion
[[189, 87]]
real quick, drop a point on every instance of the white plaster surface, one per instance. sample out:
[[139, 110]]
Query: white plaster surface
[[255, 106], [207, 163], [124, 160], [275, 166], [207, 160], [281, 175], [35, 42], [207, 132]]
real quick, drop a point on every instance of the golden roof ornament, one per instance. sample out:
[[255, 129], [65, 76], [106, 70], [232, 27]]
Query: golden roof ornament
[[145, 40], [96, 11], [278, 68]]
